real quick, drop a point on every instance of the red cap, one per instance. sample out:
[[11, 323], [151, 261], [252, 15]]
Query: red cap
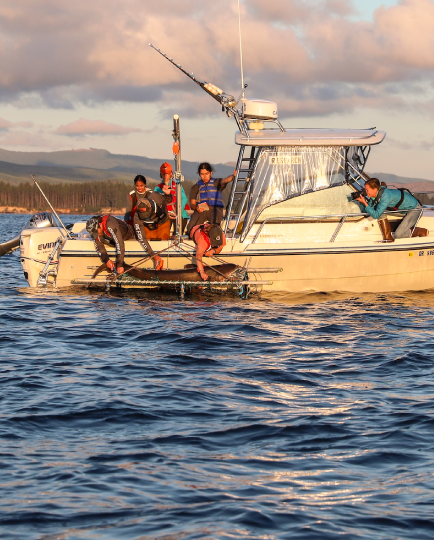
[[166, 168]]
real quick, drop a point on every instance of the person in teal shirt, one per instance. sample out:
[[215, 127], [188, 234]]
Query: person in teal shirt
[[166, 174], [380, 198]]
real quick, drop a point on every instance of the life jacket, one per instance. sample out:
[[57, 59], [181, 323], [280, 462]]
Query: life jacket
[[104, 225], [171, 207], [124, 229], [134, 202], [209, 193], [106, 236], [133, 197], [205, 236]]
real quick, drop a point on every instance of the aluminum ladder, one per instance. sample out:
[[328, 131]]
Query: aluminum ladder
[[240, 191]]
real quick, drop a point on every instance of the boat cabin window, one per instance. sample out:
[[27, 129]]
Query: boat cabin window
[[335, 201], [287, 172]]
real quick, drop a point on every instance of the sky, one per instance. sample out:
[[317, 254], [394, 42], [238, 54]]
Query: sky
[[79, 75]]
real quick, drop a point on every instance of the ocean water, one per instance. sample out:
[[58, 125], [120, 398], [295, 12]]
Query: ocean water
[[140, 416]]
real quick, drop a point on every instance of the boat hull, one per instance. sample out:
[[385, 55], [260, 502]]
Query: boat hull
[[375, 268], [351, 266]]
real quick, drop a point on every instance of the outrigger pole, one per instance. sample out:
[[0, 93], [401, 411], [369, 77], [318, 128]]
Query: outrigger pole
[[54, 211], [227, 101]]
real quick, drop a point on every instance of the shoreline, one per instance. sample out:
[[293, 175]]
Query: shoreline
[[20, 210]]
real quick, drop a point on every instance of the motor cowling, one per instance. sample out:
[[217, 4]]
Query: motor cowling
[[42, 219]]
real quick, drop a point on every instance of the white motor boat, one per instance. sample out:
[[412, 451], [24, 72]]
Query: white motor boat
[[291, 221]]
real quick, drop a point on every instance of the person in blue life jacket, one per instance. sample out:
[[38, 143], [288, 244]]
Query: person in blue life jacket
[[206, 197], [380, 198]]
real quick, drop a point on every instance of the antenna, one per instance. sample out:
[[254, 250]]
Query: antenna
[[241, 50]]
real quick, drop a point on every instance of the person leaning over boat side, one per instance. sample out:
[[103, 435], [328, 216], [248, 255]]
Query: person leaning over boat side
[[210, 240], [206, 197], [380, 199], [166, 174], [112, 231]]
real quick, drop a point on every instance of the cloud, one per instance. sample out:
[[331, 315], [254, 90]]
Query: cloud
[[7, 125], [311, 57], [25, 139], [82, 128], [427, 145]]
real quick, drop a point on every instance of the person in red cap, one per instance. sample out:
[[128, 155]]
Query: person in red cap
[[166, 174]]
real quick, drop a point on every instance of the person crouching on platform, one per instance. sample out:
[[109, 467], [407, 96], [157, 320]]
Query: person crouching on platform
[[151, 220], [166, 174], [380, 199], [148, 215], [206, 197], [209, 240], [108, 230], [139, 193]]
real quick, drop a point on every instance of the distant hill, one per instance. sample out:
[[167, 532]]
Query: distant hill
[[414, 184], [100, 165], [87, 165]]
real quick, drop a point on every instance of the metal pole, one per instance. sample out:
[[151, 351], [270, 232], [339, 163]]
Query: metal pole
[[178, 175], [241, 50], [54, 211]]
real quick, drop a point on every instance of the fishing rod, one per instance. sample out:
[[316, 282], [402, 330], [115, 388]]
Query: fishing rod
[[54, 211]]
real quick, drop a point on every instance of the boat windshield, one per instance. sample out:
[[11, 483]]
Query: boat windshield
[[282, 173]]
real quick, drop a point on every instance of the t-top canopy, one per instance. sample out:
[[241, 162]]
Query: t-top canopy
[[310, 137]]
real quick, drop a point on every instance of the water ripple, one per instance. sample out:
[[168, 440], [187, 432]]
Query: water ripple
[[135, 415]]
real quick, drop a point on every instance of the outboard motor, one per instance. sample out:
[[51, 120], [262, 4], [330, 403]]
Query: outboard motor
[[40, 243], [43, 219]]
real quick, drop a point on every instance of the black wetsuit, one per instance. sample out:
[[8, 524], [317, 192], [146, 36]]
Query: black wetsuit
[[115, 233], [157, 218]]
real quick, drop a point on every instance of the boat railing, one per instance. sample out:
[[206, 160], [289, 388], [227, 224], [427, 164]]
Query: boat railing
[[324, 217]]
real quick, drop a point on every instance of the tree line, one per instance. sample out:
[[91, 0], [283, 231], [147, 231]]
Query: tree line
[[77, 197], [86, 197]]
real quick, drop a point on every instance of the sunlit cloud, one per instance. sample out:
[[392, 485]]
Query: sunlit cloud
[[7, 125], [83, 127], [319, 59], [288, 45], [25, 139]]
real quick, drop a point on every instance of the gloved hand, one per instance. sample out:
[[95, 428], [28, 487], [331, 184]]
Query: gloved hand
[[158, 262]]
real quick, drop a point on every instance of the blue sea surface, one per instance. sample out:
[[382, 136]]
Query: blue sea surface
[[139, 416]]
